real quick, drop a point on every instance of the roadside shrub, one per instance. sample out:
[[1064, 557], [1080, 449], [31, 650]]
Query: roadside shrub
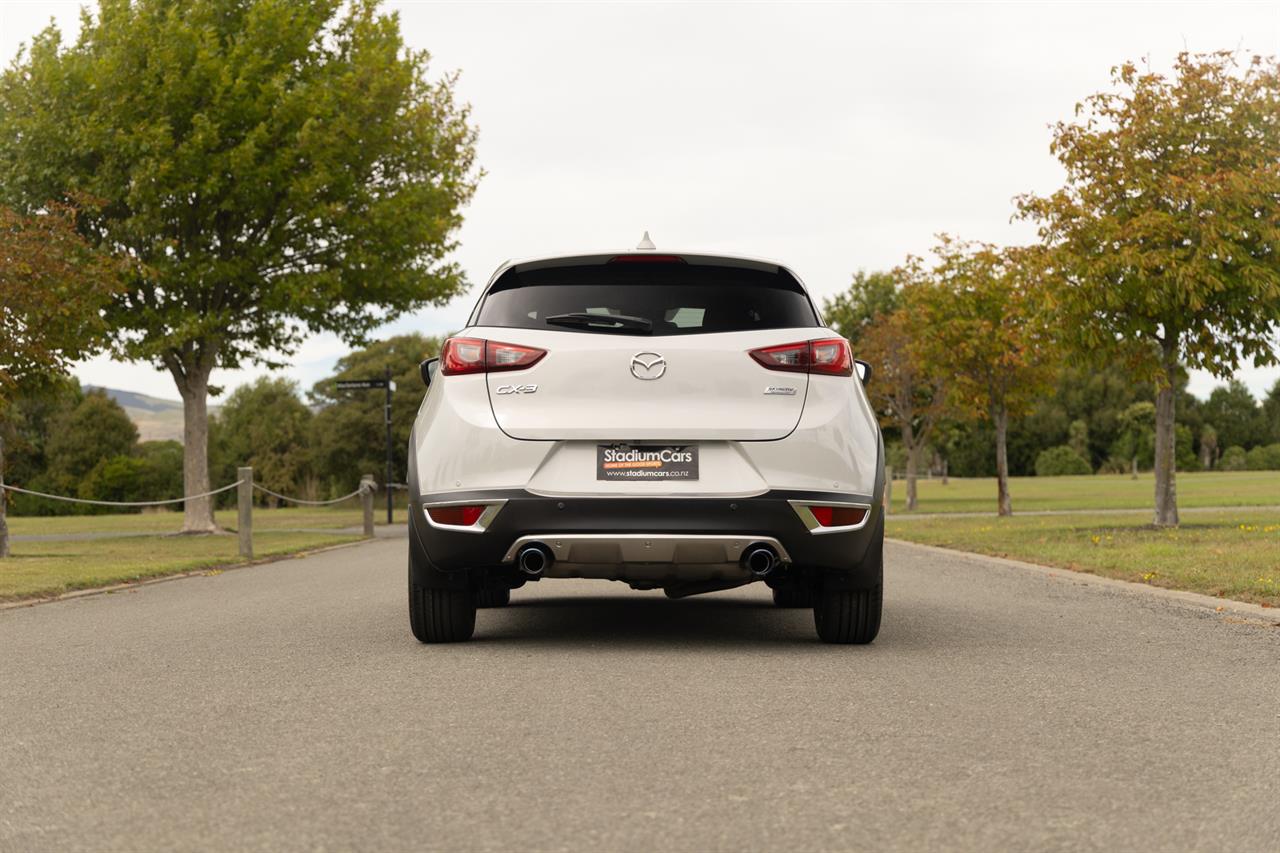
[[1263, 458], [1233, 459], [117, 478], [1059, 461]]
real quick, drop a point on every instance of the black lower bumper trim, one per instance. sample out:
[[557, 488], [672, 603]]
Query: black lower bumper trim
[[527, 514]]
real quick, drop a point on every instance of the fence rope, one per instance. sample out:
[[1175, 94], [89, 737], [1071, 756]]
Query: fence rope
[[182, 499], [264, 489]]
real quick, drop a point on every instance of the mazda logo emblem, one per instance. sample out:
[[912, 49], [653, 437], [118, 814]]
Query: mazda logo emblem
[[648, 365]]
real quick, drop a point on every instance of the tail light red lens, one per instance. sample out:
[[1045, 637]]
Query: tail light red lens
[[830, 356], [793, 357], [838, 516], [458, 516], [511, 356], [462, 355], [476, 355]]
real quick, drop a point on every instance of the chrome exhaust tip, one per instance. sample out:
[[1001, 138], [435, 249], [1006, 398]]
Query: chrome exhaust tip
[[534, 559], [759, 560]]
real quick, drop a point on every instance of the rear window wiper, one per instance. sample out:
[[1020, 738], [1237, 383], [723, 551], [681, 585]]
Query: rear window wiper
[[603, 322]]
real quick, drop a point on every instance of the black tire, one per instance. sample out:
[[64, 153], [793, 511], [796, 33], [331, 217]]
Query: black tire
[[441, 615], [793, 596], [848, 615], [852, 616], [490, 597]]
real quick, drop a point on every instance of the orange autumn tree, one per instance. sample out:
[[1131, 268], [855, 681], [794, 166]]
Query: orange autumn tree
[[906, 391], [1163, 245], [53, 289], [978, 304]]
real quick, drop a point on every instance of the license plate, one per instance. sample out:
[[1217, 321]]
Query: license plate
[[646, 462]]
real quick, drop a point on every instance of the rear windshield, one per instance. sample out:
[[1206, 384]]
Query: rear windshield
[[676, 298]]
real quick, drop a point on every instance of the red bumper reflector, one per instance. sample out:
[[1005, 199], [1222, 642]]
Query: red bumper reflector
[[838, 516], [458, 516]]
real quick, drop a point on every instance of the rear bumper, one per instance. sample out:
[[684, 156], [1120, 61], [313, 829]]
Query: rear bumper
[[441, 552]]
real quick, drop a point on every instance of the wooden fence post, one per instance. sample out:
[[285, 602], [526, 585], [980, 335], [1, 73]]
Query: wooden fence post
[[244, 501], [366, 501]]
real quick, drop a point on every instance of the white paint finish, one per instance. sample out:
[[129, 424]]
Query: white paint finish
[[711, 389], [834, 447], [822, 438], [458, 446]]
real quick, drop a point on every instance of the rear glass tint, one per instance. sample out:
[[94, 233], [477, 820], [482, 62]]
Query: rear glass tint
[[678, 299]]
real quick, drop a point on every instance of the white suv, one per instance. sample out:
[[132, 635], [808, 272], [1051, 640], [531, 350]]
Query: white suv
[[675, 421]]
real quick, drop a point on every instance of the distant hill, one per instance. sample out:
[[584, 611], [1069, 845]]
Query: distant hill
[[157, 419]]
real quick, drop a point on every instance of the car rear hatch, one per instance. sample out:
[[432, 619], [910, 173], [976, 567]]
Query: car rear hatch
[[674, 366]]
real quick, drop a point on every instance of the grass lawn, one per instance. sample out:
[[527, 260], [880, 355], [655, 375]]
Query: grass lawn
[[50, 568], [1099, 491], [1234, 554], [170, 521]]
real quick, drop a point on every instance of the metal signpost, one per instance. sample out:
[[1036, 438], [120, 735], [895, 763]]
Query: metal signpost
[[367, 384]]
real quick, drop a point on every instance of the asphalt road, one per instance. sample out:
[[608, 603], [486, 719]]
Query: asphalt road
[[287, 707]]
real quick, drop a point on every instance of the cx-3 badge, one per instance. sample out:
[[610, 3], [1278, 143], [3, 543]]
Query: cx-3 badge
[[648, 365]]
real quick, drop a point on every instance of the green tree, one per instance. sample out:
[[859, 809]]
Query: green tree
[[1263, 458], [1236, 415], [1078, 438], [264, 424], [162, 477], [115, 478], [1233, 459], [870, 296], [281, 167], [1136, 441], [1208, 446], [1162, 244], [349, 433], [1271, 412], [1061, 461], [983, 329], [79, 438]]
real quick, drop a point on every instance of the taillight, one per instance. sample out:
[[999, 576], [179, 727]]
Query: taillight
[[462, 355], [511, 356], [830, 356], [786, 357], [475, 355]]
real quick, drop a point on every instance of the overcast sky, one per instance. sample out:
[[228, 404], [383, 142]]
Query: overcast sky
[[833, 137]]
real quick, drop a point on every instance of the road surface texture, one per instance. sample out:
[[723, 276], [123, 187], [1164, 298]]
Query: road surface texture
[[287, 707]]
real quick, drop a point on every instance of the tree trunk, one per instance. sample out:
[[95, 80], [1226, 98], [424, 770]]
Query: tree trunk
[[4, 524], [913, 454], [1166, 490], [1004, 506], [945, 464], [192, 377]]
